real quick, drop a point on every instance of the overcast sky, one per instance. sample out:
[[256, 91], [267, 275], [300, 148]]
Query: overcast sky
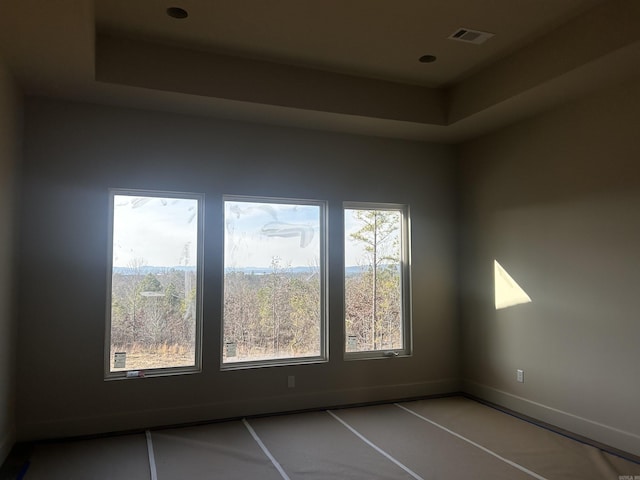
[[158, 231], [256, 233], [154, 230]]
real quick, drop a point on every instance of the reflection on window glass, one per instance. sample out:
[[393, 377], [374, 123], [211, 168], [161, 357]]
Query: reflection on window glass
[[374, 279], [273, 280], [154, 314]]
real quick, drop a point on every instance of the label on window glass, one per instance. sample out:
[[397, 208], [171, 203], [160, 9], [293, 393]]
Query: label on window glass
[[231, 349], [120, 360]]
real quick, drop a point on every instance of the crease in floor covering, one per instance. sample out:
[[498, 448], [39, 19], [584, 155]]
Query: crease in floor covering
[[452, 437]]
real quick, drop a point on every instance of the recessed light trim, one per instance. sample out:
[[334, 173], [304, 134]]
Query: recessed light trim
[[177, 12], [427, 59]]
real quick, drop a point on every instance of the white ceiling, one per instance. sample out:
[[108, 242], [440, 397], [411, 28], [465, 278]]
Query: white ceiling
[[342, 65]]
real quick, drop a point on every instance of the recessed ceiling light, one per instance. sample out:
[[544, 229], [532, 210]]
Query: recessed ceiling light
[[177, 12], [427, 59]]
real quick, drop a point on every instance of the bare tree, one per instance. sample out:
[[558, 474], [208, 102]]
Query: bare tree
[[378, 233]]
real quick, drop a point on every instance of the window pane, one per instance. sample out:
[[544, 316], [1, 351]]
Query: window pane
[[154, 313], [373, 279], [272, 280]]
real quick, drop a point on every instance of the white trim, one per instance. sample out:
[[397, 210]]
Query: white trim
[[597, 431], [161, 371], [477, 445], [323, 216], [375, 447], [406, 350], [266, 451]]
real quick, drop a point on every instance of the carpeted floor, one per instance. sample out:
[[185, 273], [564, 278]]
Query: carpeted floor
[[445, 438]]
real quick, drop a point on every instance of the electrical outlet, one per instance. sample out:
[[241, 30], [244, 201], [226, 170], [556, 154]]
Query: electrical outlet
[[520, 375], [291, 381]]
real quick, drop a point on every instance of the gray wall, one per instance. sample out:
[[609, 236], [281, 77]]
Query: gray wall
[[556, 200], [10, 132], [75, 152]]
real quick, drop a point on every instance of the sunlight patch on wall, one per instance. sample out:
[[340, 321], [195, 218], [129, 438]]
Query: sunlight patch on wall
[[507, 290]]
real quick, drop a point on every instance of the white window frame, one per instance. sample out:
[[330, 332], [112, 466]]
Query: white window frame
[[405, 282], [323, 357], [164, 371]]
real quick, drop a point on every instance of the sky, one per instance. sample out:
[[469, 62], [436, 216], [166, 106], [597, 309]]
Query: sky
[[354, 251], [256, 233], [158, 231], [154, 231]]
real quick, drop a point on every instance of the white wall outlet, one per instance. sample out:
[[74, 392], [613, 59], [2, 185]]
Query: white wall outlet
[[520, 375], [291, 381]]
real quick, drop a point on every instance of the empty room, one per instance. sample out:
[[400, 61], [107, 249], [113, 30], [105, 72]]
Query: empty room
[[305, 240]]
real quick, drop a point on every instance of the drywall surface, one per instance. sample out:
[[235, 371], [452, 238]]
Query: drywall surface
[[75, 152], [10, 128], [556, 201]]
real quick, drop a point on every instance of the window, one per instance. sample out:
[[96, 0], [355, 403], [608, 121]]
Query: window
[[154, 286], [376, 280], [274, 282]]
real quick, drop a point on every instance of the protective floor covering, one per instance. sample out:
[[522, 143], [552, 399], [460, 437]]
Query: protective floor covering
[[113, 457], [445, 438]]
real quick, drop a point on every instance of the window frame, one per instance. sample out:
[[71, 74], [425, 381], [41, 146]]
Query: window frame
[[159, 371], [323, 356], [405, 282]]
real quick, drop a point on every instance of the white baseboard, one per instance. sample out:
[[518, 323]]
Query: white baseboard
[[119, 421], [596, 431]]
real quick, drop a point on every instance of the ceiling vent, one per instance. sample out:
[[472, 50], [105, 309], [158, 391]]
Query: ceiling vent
[[470, 36]]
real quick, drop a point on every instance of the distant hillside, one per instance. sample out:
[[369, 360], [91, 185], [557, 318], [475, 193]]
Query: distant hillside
[[151, 269], [353, 270]]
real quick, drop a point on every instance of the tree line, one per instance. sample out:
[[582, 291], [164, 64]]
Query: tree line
[[153, 309], [269, 315]]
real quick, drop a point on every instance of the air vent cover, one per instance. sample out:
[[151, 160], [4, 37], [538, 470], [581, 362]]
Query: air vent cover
[[470, 36]]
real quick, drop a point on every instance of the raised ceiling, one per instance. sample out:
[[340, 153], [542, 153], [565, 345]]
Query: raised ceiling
[[338, 65], [369, 38]]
